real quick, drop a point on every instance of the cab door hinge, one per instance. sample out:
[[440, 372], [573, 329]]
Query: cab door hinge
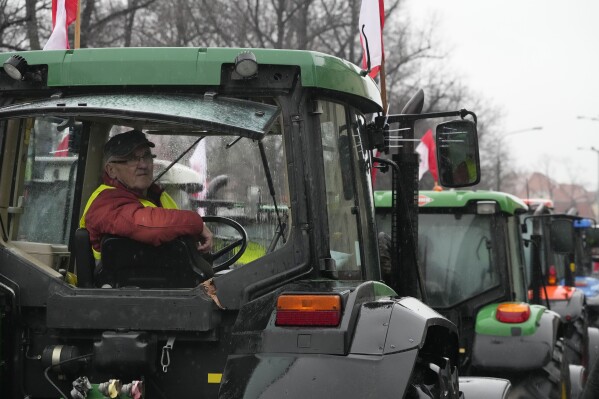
[[16, 209]]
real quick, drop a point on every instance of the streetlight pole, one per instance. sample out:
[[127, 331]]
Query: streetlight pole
[[500, 144], [596, 151]]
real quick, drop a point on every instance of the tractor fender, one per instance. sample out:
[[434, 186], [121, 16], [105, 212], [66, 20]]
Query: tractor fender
[[301, 376], [576, 380], [391, 345], [593, 301], [386, 327], [484, 387], [517, 352], [570, 309], [388, 335], [593, 355]]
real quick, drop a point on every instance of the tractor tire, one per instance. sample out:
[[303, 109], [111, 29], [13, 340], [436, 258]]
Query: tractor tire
[[550, 382], [575, 342], [429, 381]]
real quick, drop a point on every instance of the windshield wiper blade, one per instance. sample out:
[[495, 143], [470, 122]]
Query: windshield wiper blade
[[177, 160], [271, 188]]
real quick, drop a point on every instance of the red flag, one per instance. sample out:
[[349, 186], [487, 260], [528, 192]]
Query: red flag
[[64, 13], [62, 150], [372, 20], [374, 169], [428, 159]]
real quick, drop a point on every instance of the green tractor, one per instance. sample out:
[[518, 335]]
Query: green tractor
[[288, 304], [471, 257], [558, 265]]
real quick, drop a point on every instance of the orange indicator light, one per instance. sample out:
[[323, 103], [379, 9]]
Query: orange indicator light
[[513, 312], [308, 310]]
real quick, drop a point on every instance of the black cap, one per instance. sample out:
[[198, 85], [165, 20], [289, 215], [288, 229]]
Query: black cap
[[123, 144]]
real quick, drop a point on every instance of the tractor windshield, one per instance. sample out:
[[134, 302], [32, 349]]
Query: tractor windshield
[[208, 157], [455, 256]]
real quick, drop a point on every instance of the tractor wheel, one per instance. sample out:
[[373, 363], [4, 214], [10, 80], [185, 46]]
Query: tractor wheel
[[434, 378], [574, 342], [552, 381]]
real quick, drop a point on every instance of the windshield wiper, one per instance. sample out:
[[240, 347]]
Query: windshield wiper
[[178, 159], [280, 233], [487, 245]]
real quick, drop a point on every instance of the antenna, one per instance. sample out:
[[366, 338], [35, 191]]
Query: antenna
[[365, 72]]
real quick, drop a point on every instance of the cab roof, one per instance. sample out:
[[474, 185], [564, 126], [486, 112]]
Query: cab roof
[[190, 66], [456, 199]]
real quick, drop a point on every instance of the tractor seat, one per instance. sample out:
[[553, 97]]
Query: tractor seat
[[129, 263]]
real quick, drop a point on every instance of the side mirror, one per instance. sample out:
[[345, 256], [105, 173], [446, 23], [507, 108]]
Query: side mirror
[[562, 236], [457, 153]]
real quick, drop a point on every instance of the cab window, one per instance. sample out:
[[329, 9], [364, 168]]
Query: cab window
[[339, 155], [46, 200], [219, 170]]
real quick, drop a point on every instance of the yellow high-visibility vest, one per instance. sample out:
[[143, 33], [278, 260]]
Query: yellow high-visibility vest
[[166, 201]]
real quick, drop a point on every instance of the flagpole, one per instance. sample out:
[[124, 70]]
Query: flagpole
[[383, 84], [78, 25]]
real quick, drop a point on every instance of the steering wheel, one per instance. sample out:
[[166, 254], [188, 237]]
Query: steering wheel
[[240, 243]]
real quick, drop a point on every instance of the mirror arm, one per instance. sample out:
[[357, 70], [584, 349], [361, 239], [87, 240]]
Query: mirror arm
[[429, 115], [465, 112]]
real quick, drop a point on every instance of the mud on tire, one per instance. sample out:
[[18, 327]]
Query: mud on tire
[[551, 381]]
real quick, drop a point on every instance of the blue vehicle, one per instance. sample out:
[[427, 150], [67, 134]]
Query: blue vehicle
[[586, 238]]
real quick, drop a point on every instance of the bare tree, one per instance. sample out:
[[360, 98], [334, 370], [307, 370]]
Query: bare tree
[[32, 24]]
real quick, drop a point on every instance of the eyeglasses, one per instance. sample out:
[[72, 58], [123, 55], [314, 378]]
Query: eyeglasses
[[134, 160]]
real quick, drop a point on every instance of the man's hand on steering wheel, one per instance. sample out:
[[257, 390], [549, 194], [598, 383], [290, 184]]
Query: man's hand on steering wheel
[[205, 244]]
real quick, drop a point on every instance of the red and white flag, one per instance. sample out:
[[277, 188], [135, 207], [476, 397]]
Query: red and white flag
[[64, 13], [372, 19], [428, 158]]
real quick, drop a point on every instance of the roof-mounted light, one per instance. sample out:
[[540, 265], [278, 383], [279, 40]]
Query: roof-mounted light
[[513, 312], [486, 207], [15, 67], [246, 65]]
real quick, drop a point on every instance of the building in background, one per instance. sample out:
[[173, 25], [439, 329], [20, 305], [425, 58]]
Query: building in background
[[565, 197]]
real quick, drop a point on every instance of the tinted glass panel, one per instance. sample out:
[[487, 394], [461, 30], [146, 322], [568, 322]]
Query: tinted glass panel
[[339, 153], [455, 256]]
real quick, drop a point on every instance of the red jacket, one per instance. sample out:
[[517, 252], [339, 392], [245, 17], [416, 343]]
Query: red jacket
[[119, 211]]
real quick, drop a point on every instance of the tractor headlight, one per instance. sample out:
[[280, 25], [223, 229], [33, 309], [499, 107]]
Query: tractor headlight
[[246, 65], [15, 67]]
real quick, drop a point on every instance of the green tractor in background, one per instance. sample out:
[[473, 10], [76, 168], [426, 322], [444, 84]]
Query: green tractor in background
[[558, 264], [471, 257]]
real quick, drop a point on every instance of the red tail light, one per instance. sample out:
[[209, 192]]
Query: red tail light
[[513, 312], [552, 278], [308, 310]]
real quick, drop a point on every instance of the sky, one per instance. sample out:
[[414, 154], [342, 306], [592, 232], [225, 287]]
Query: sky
[[538, 60]]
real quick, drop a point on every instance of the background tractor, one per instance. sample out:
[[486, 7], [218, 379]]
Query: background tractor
[[470, 252]]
